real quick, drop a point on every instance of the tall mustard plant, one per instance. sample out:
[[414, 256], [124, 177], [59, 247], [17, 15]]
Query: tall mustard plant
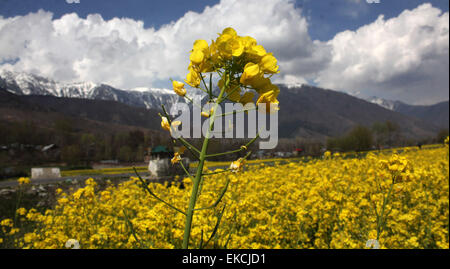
[[243, 70]]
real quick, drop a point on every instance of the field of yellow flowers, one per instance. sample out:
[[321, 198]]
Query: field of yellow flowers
[[401, 200]]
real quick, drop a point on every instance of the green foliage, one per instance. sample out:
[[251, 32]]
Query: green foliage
[[386, 133], [441, 136], [360, 138], [23, 143]]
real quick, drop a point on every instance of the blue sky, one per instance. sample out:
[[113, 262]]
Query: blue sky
[[153, 13], [340, 44], [326, 17]]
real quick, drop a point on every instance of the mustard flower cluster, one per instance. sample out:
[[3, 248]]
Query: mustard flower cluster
[[249, 65], [332, 202]]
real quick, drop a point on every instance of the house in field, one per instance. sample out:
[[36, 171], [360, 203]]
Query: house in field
[[51, 151], [297, 152], [160, 165], [45, 172], [161, 152]]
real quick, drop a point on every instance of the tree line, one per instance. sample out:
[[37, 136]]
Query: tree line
[[380, 135], [23, 142]]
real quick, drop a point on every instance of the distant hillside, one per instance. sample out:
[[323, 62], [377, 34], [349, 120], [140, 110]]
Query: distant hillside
[[308, 111], [83, 114], [21, 83], [437, 114]]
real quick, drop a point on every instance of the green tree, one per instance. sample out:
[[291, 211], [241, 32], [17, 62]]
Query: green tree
[[442, 134], [358, 139], [71, 154], [125, 154]]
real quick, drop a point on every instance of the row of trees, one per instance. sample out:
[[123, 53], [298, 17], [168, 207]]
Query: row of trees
[[22, 142], [379, 135], [83, 148]]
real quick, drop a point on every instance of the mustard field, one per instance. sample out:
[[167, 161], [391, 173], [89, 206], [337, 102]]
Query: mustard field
[[401, 200]]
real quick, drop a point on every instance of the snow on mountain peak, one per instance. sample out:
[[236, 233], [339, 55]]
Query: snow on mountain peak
[[152, 90], [388, 104], [29, 84], [294, 85]]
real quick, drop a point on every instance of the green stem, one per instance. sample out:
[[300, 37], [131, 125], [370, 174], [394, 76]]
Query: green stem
[[17, 204], [198, 175], [186, 171], [222, 193], [145, 186], [204, 83], [189, 146], [215, 173], [233, 151], [192, 102], [130, 225], [237, 111], [381, 219]]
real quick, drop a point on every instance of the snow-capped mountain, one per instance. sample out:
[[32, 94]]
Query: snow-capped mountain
[[388, 104], [436, 114], [29, 84]]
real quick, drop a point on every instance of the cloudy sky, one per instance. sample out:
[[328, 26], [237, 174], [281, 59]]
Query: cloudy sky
[[396, 49]]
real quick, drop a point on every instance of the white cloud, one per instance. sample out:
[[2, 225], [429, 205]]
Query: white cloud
[[404, 58], [290, 80], [123, 53]]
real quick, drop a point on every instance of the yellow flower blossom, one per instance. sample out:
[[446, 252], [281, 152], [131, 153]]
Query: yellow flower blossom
[[21, 211], [178, 88], [193, 79], [169, 127], [23, 180], [334, 199], [247, 98], [177, 155], [6, 223], [270, 99], [197, 57], [251, 70], [237, 165], [269, 64]]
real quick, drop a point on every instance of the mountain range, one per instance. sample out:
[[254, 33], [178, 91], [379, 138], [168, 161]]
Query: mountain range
[[83, 115], [20, 83], [437, 114], [309, 111], [305, 111]]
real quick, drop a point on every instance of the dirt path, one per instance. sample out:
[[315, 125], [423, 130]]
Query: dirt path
[[13, 183]]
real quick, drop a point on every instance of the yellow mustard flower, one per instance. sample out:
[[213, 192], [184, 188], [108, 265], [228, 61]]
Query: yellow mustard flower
[[269, 64], [178, 88], [23, 180], [200, 45], [270, 99], [168, 127], [193, 78], [251, 70], [177, 155], [237, 165], [6, 223], [21, 211], [247, 98], [197, 57]]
